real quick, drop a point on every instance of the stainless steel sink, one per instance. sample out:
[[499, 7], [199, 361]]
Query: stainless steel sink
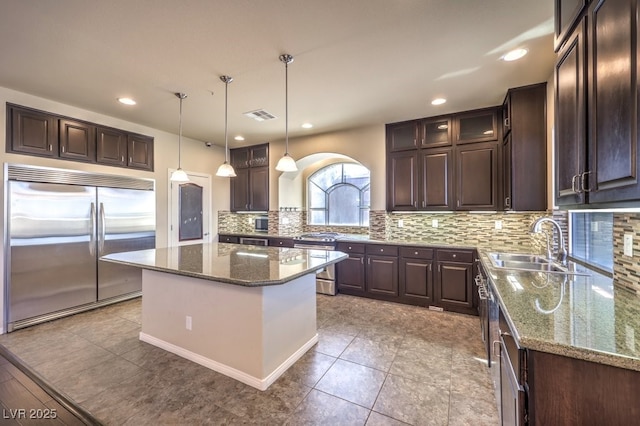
[[529, 262]]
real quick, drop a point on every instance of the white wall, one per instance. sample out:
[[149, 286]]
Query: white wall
[[196, 157]]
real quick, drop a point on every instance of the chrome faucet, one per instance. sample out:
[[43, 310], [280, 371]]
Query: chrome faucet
[[562, 252]]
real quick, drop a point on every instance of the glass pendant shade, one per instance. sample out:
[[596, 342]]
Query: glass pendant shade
[[287, 164], [226, 170], [179, 176]]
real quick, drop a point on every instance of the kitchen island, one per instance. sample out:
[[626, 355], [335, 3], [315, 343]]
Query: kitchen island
[[244, 311]]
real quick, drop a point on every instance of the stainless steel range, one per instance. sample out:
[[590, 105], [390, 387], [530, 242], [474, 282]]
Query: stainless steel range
[[326, 277]]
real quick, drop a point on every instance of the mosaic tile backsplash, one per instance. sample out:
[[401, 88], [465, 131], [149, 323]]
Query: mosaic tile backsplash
[[626, 269], [456, 228]]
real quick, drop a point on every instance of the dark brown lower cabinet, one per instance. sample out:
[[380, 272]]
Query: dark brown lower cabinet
[[350, 275], [570, 391], [454, 285], [416, 276], [382, 275]]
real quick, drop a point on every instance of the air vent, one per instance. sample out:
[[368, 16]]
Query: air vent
[[260, 115]]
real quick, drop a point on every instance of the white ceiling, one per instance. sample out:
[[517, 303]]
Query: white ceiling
[[356, 62]]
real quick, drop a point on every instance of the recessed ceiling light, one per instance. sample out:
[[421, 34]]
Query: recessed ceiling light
[[126, 101], [239, 138], [514, 55], [438, 101], [307, 125]]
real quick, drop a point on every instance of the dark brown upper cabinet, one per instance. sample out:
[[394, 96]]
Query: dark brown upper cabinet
[[77, 140], [31, 132], [111, 146], [435, 132], [476, 126], [477, 176], [524, 151], [566, 16], [598, 161], [249, 190], [35, 132], [403, 136], [426, 173], [140, 152], [570, 120]]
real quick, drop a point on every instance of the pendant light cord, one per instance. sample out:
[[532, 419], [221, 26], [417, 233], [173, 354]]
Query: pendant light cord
[[226, 142], [180, 134], [286, 108]]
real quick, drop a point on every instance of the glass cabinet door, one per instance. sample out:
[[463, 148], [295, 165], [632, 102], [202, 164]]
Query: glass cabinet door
[[436, 132], [477, 127]]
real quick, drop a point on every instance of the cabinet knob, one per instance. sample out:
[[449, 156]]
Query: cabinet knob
[[415, 253], [454, 256], [349, 247], [381, 250]]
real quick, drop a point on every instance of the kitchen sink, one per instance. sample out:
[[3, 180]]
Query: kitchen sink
[[529, 262]]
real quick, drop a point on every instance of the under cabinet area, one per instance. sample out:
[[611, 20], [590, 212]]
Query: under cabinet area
[[34, 132]]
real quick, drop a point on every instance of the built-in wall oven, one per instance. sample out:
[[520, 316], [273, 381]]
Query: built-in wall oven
[[325, 277]]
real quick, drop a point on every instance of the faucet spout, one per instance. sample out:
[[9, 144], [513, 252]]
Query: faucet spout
[[562, 251]]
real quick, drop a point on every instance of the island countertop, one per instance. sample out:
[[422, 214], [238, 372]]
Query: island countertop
[[251, 266]]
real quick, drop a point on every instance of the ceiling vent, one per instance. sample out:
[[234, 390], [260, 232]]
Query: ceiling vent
[[260, 115]]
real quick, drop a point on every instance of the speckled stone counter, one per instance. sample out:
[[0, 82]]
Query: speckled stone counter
[[579, 316], [230, 263]]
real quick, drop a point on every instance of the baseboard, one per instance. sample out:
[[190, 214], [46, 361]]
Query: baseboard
[[260, 384]]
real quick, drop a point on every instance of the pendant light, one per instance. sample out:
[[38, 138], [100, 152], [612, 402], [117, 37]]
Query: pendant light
[[286, 163], [179, 175], [226, 169]]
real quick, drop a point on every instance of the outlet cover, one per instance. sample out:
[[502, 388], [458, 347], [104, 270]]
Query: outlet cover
[[628, 244], [189, 323], [434, 223], [400, 223], [498, 224]]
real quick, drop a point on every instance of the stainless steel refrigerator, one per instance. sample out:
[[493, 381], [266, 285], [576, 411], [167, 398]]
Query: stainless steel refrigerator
[[59, 223]]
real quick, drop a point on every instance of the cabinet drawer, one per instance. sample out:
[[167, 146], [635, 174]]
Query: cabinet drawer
[[456, 256], [347, 247], [228, 239], [382, 250], [281, 242], [416, 252]]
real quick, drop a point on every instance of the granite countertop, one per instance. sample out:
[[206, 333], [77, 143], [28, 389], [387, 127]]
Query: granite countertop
[[251, 266], [579, 316]]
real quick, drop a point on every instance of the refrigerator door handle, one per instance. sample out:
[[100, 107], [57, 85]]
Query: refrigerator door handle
[[92, 234], [103, 230]]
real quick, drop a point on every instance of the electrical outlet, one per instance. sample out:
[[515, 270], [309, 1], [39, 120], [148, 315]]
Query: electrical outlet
[[594, 226], [249, 220], [628, 245], [400, 223], [189, 323], [434, 223], [498, 224]]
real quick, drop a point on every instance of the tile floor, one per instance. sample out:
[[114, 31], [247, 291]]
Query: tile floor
[[376, 363]]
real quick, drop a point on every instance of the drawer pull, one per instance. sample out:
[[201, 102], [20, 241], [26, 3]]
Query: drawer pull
[[381, 250], [454, 256], [349, 247], [415, 253]]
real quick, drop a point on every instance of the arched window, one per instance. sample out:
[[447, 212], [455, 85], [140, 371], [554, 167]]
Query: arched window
[[339, 194]]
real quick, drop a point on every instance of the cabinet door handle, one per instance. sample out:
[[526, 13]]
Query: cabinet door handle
[[424, 204], [122, 158], [50, 147], [368, 261], [415, 204], [62, 148], [507, 202], [507, 122], [583, 180], [430, 267], [130, 159], [573, 184], [362, 260]]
